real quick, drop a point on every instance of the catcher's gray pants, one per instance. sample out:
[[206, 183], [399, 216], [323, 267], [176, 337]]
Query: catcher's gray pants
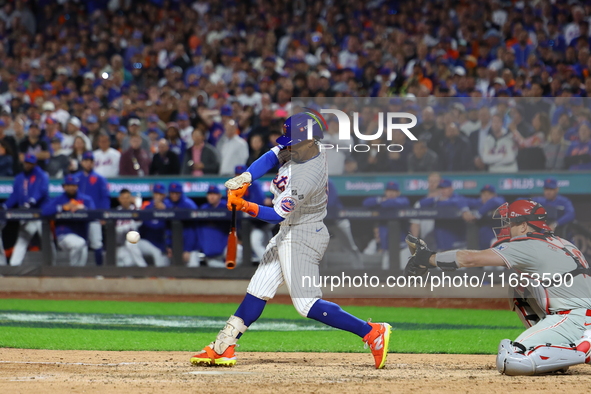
[[558, 330]]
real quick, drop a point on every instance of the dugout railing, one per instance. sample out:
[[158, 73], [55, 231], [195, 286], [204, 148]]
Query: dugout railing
[[395, 219], [175, 219]]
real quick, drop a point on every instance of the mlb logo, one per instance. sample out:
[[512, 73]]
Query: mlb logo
[[413, 184], [288, 204], [302, 128]]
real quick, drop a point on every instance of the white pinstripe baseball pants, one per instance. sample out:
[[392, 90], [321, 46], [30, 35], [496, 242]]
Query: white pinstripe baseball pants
[[294, 253]]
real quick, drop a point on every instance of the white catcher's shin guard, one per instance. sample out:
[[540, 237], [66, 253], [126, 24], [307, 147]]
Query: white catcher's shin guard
[[543, 359]]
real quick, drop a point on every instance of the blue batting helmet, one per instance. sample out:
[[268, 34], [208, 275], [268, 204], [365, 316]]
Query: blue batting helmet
[[295, 128]]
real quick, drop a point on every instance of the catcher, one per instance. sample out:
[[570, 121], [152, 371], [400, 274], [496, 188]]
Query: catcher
[[556, 312]]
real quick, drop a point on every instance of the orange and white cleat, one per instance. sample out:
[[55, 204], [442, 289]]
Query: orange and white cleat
[[378, 340], [209, 357]]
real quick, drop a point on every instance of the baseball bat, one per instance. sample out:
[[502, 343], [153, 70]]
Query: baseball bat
[[232, 243]]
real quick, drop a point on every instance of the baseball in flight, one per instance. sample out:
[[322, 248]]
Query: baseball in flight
[[133, 237]]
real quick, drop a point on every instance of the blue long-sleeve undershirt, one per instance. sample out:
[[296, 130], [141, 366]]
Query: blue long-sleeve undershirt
[[269, 215], [263, 164]]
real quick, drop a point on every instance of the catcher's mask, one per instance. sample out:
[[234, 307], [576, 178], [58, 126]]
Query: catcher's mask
[[517, 212]]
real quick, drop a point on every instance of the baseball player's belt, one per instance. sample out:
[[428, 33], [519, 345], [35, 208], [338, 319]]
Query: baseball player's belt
[[588, 313]]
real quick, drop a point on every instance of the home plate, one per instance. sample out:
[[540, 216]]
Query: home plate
[[218, 373]]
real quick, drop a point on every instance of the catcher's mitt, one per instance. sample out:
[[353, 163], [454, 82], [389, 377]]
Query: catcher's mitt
[[418, 264]]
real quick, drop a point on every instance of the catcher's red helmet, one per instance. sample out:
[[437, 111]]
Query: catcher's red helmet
[[523, 211]]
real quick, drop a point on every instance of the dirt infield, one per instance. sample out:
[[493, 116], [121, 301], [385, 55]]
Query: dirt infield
[[46, 371]]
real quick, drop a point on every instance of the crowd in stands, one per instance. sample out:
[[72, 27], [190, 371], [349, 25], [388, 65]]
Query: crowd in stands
[[198, 87]]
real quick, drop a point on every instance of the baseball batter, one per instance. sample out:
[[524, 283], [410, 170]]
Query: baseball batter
[[299, 205], [559, 295]]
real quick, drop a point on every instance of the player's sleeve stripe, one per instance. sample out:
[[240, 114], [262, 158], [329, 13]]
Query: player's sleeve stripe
[[503, 257]]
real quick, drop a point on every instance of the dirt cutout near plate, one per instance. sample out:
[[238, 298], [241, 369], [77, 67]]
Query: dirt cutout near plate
[[48, 372]]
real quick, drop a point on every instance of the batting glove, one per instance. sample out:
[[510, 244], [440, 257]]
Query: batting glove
[[242, 205], [238, 181]]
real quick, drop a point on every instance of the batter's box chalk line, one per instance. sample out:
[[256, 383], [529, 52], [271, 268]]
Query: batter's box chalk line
[[218, 373]]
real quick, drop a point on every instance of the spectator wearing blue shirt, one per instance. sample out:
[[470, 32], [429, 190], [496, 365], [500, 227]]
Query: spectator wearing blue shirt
[[481, 211], [565, 212], [97, 187], [71, 235], [30, 190], [578, 155], [449, 233], [176, 143], [216, 129], [523, 49]]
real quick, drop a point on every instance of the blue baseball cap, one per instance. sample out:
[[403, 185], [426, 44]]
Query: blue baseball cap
[[47, 86], [444, 183], [488, 188], [122, 129], [392, 185], [153, 118], [71, 180], [29, 158], [213, 189], [175, 187], [159, 188], [113, 120], [550, 183], [87, 156], [92, 119], [182, 116], [226, 110], [239, 169]]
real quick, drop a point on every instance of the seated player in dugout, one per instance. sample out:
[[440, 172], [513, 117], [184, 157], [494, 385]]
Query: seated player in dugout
[[565, 212], [481, 212], [299, 206], [449, 233], [391, 200], [556, 310]]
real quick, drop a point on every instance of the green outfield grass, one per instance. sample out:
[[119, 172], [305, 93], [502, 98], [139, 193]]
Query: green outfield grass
[[119, 325]]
